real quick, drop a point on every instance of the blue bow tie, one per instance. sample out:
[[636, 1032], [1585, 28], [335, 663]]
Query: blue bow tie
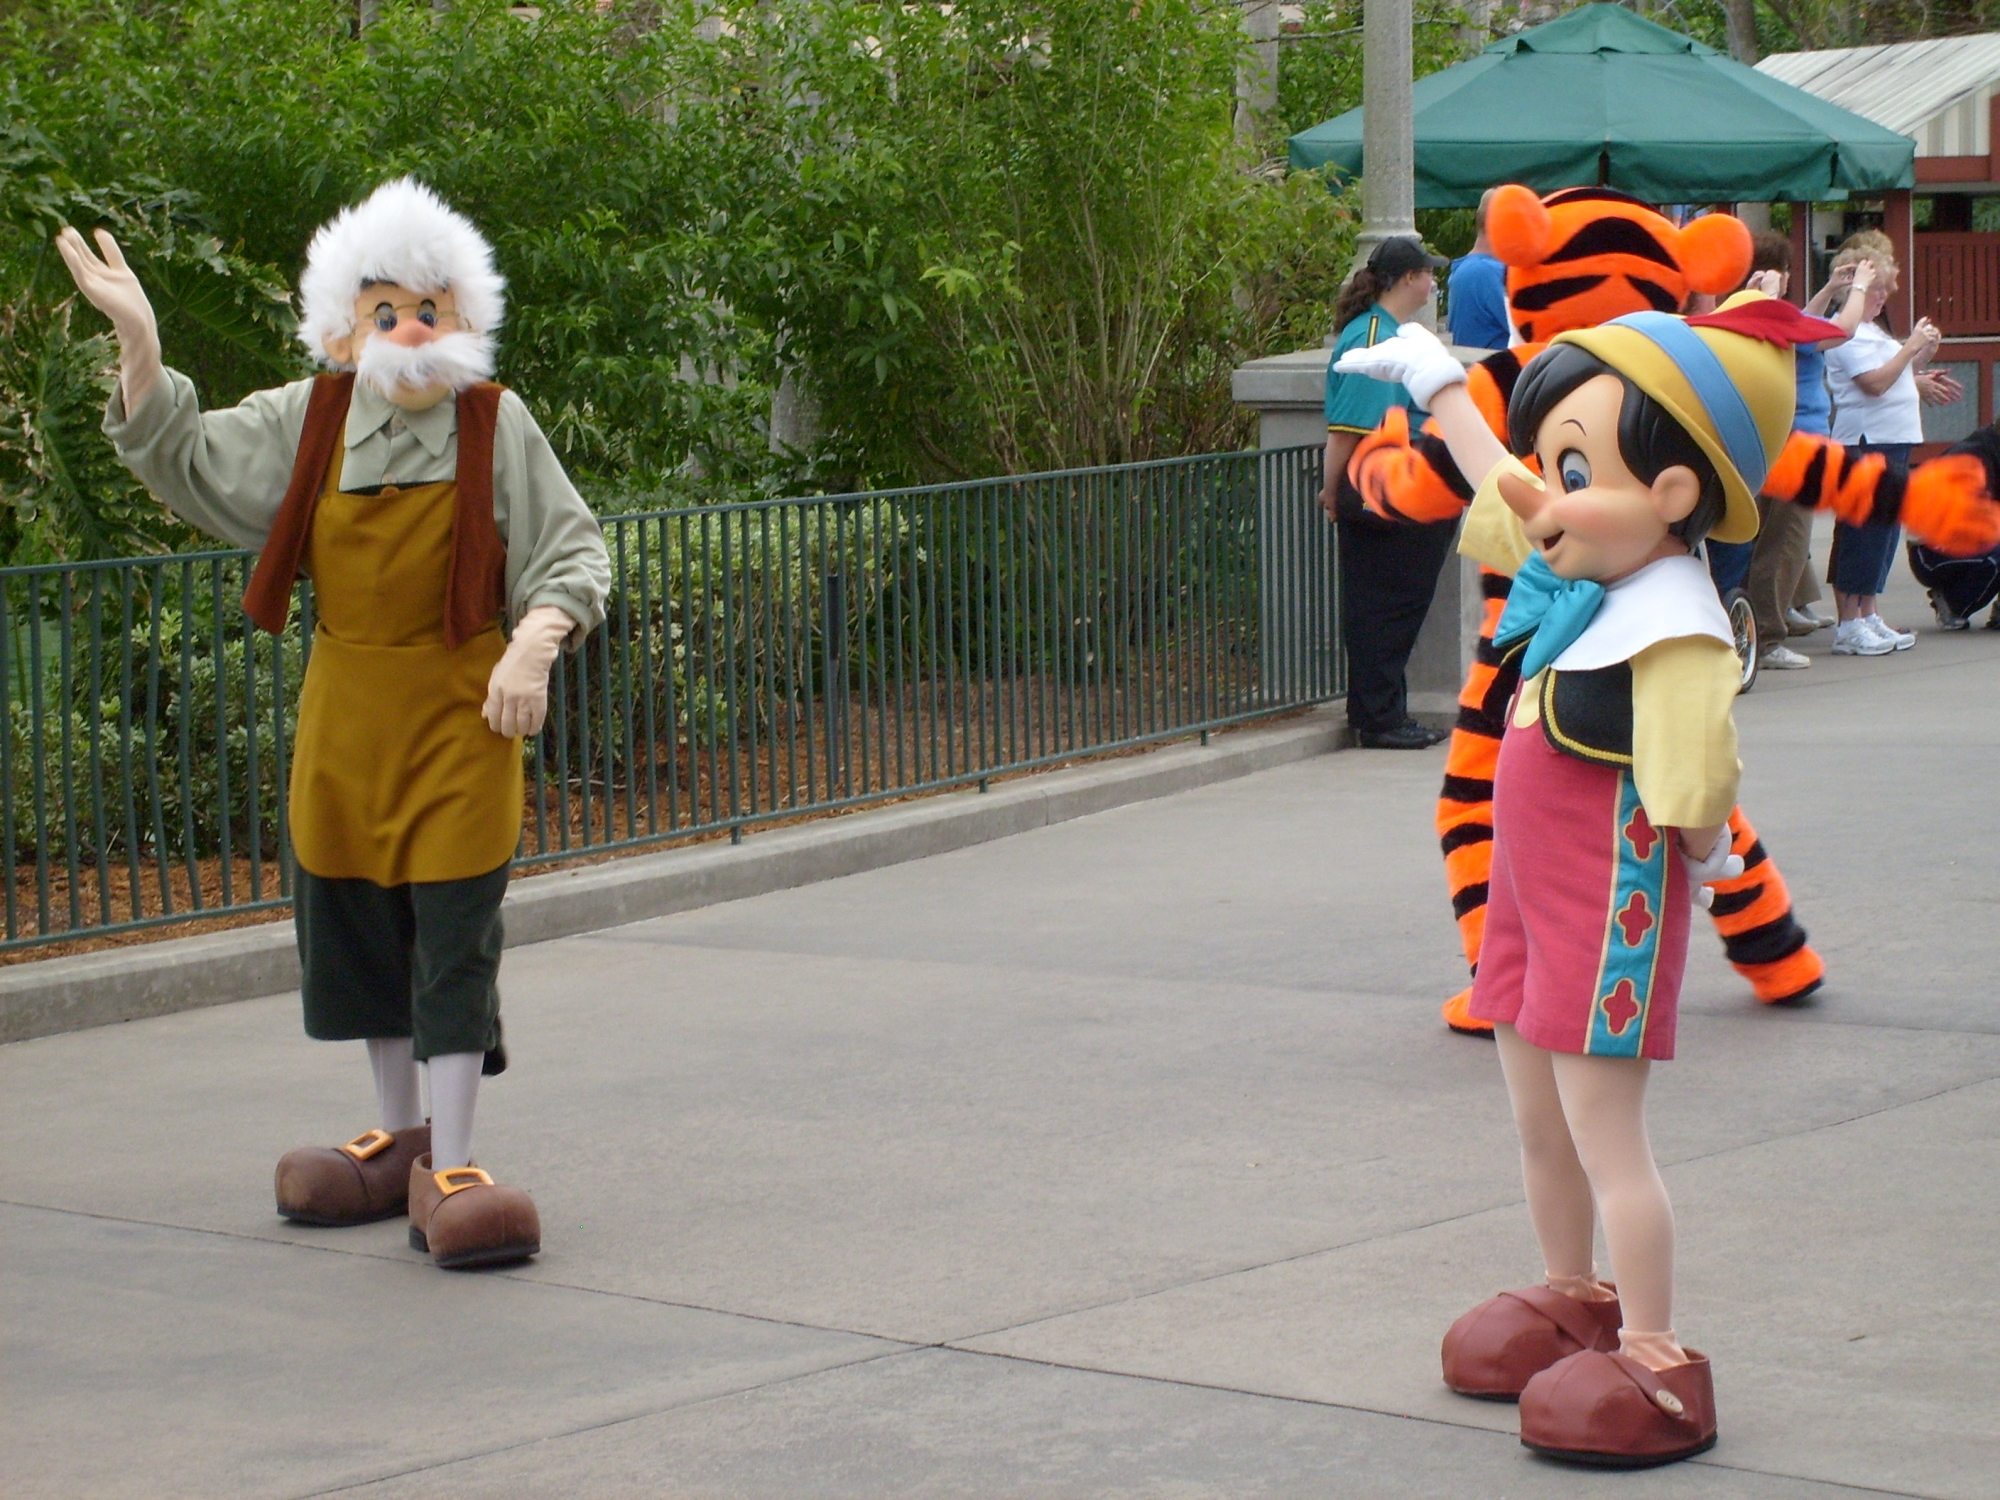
[[1555, 611]]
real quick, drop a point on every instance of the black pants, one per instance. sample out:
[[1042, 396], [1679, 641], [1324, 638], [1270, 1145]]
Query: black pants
[[1388, 574], [419, 960], [1965, 584]]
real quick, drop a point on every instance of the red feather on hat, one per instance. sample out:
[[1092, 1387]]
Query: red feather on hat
[[1771, 319]]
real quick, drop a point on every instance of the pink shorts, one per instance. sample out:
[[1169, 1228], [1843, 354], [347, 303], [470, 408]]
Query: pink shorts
[[1587, 908]]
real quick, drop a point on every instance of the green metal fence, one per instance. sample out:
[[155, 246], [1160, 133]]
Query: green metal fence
[[759, 662]]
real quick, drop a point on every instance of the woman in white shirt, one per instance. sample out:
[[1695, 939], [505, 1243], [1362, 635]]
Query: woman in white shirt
[[1874, 379]]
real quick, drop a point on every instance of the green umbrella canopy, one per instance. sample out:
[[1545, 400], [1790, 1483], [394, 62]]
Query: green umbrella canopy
[[1601, 97]]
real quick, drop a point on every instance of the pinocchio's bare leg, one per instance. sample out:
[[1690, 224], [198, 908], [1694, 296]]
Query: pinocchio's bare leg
[[1559, 1198], [1604, 1100]]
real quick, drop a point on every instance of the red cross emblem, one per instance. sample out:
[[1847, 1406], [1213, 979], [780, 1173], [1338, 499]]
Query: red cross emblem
[[1636, 919], [1641, 835], [1621, 1006]]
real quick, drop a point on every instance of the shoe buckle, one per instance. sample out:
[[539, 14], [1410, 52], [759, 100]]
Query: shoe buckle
[[458, 1179], [369, 1143]]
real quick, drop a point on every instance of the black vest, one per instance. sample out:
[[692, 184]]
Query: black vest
[[1589, 714]]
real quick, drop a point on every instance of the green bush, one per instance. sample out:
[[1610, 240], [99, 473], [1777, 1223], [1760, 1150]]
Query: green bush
[[133, 730]]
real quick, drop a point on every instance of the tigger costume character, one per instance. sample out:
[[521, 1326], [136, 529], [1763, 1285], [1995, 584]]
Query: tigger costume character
[[1577, 258]]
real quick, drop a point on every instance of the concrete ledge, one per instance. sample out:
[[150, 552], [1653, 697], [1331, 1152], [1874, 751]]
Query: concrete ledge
[[151, 979]]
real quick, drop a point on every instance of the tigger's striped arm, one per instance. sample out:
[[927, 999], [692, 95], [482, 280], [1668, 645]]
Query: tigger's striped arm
[[1947, 503], [1414, 479]]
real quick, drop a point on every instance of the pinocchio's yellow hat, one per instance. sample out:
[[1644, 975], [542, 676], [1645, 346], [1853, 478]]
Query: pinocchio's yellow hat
[[1725, 376]]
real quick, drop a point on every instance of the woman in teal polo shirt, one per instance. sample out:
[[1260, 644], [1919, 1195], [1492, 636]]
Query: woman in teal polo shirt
[[1387, 572]]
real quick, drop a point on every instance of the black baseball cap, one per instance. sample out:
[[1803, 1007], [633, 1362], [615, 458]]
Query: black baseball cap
[[1401, 254]]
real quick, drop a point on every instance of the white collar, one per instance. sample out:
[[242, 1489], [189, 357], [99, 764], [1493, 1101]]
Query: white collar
[[1663, 600]]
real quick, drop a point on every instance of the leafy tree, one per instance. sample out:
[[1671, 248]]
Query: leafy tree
[[981, 236]]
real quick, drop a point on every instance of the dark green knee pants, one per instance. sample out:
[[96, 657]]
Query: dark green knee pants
[[418, 960]]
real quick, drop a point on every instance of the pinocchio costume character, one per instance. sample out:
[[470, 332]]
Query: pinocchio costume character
[[426, 508], [1576, 259], [1615, 779]]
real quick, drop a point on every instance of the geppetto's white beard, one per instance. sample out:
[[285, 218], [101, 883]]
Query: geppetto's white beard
[[453, 360]]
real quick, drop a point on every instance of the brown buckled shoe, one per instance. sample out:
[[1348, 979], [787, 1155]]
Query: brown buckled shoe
[[1610, 1411], [464, 1219], [1497, 1348], [365, 1180]]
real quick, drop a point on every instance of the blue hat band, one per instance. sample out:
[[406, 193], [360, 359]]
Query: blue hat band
[[1712, 387]]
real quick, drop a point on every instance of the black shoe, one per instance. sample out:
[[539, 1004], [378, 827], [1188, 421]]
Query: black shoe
[[1409, 735]]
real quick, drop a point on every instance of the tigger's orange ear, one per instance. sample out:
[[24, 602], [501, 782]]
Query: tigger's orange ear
[[1714, 252], [1518, 226]]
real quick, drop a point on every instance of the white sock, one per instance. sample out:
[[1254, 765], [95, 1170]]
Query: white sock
[[454, 1090], [395, 1082]]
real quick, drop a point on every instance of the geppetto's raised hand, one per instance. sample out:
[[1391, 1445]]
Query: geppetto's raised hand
[[109, 285]]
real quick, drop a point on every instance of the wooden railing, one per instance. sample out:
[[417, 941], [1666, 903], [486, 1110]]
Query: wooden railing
[[1957, 282]]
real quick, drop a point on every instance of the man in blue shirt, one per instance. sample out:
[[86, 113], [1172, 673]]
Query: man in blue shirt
[[1476, 293]]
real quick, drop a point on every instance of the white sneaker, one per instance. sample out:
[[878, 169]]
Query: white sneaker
[[1854, 638], [1804, 621], [1783, 659], [1945, 618], [1901, 640]]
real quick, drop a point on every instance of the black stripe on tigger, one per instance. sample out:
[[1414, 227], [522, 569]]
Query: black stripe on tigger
[[1778, 938], [1889, 498], [1468, 900], [1591, 195], [1485, 723], [1613, 235], [1754, 856], [1467, 833], [1662, 299], [1494, 585], [1813, 478], [1438, 456], [1729, 903], [1547, 294], [1505, 368], [1466, 789]]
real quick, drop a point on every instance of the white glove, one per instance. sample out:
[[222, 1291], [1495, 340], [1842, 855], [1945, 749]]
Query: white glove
[[1717, 864], [517, 694], [1414, 356]]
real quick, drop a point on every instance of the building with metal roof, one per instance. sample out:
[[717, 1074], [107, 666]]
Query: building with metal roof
[[1943, 93], [1938, 91]]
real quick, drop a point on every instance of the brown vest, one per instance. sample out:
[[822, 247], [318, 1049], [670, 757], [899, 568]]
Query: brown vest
[[476, 591]]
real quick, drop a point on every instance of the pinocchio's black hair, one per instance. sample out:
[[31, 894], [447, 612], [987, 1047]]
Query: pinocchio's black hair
[[1649, 439]]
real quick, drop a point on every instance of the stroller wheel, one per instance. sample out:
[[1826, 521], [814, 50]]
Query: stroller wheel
[[1743, 625]]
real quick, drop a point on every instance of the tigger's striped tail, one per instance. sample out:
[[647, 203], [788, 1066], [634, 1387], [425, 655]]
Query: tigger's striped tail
[[1761, 938]]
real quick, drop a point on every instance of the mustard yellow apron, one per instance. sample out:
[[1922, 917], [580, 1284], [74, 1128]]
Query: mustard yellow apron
[[395, 776]]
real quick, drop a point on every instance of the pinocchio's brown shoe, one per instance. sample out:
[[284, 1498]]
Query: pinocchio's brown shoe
[[465, 1219], [365, 1180], [1610, 1411], [1497, 1348]]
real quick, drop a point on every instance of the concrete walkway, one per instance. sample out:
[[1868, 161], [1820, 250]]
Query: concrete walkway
[[1122, 1158]]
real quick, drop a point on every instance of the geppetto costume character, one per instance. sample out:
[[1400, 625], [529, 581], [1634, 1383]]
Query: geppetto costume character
[[1576, 259], [1616, 776], [423, 502]]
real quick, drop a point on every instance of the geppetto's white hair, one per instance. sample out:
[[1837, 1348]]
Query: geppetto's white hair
[[402, 232]]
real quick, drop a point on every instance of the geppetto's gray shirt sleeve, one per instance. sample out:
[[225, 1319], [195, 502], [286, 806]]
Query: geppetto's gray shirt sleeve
[[224, 472], [555, 548]]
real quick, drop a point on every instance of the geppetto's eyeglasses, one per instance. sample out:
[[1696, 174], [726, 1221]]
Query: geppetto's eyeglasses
[[386, 316]]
